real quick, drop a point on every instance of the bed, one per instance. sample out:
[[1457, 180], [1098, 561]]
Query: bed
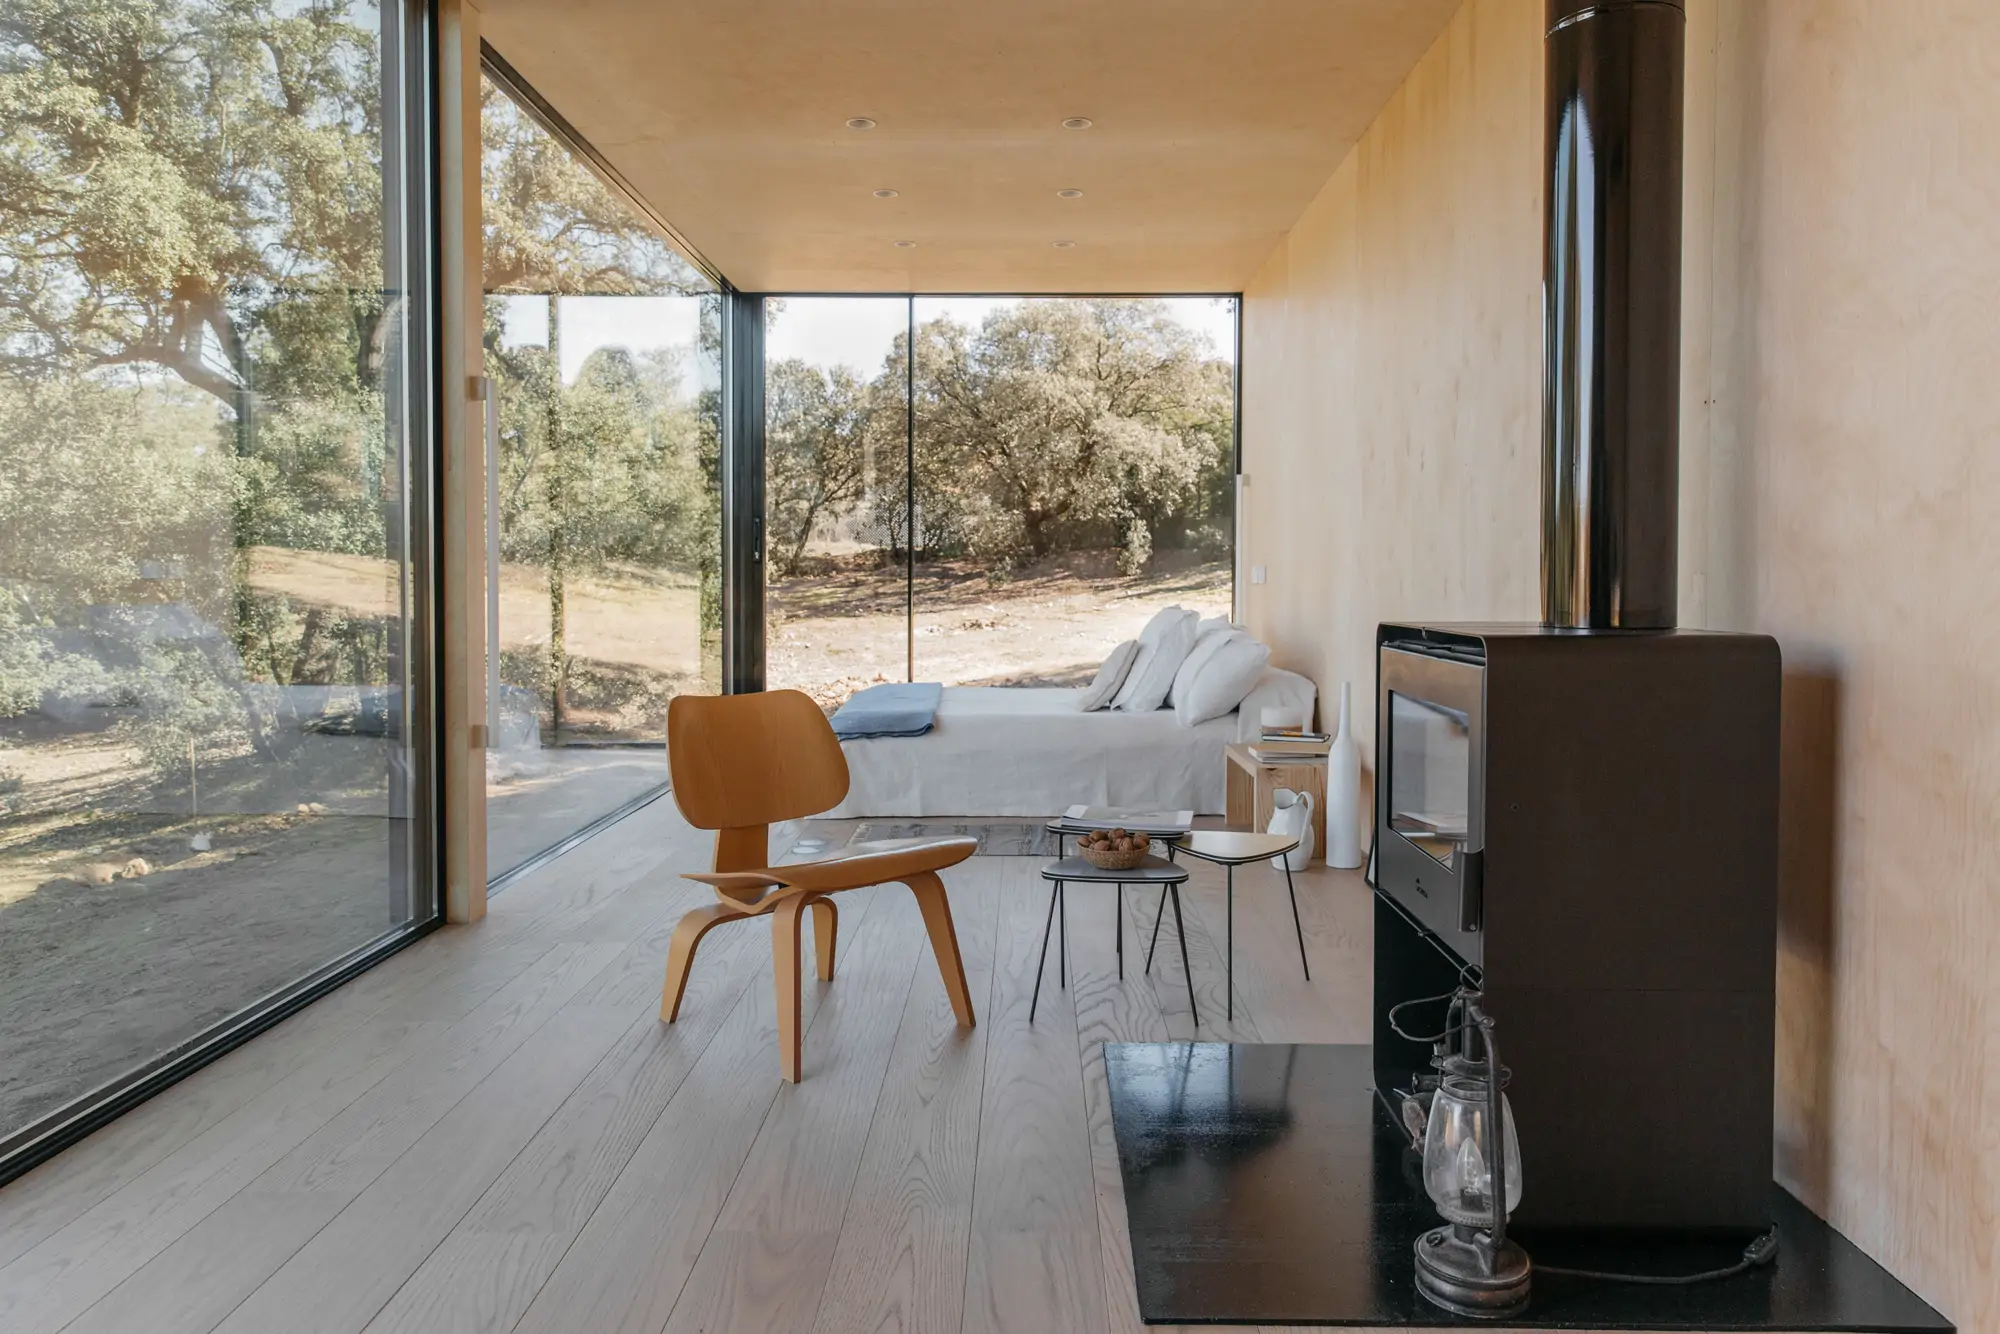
[[1011, 750]]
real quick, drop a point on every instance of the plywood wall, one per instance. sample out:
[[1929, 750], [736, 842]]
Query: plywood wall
[[1840, 489], [1390, 361]]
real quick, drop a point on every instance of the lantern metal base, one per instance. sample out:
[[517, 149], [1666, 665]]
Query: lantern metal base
[[1456, 1271]]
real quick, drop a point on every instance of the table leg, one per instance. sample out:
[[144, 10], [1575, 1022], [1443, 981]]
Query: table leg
[[1042, 960], [1062, 935], [1301, 931], [1187, 973], [1158, 917], [1118, 907], [1229, 944]]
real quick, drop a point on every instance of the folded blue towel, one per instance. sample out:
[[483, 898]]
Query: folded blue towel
[[900, 709]]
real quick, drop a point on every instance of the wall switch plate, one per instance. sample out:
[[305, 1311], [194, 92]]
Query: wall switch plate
[[1256, 574]]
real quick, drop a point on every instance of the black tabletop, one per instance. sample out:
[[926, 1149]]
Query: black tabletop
[[1151, 871]]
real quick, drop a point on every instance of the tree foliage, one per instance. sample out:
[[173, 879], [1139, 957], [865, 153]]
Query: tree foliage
[[620, 464], [198, 317], [1057, 425]]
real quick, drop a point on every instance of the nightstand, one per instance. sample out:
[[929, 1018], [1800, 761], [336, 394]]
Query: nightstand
[[1249, 785]]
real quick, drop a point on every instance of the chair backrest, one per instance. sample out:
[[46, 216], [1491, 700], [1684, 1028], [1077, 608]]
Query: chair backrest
[[744, 760]]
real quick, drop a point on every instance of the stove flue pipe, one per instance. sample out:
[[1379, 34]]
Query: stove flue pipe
[[1611, 300]]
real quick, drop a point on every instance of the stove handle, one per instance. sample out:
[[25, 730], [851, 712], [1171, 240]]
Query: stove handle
[[1471, 888]]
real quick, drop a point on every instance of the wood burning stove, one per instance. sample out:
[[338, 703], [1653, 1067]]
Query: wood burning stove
[[1588, 823], [1584, 812]]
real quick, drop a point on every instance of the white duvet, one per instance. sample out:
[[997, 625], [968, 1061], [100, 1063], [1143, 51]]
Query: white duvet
[[1031, 751]]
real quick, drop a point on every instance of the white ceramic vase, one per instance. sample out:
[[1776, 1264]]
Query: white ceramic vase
[[1292, 816], [1343, 791]]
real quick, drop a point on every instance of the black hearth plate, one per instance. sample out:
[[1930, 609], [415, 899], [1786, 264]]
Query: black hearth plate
[[1266, 1185]]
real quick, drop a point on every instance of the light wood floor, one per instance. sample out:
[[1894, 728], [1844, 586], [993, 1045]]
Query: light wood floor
[[493, 1132]]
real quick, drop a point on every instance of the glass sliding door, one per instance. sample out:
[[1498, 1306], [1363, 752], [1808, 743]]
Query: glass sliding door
[[836, 493], [1075, 474], [214, 462], [603, 345]]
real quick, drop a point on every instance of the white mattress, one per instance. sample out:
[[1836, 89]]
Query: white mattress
[[1013, 750]]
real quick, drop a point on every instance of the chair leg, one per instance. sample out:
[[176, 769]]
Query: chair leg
[[944, 941], [680, 954], [786, 920], [826, 929]]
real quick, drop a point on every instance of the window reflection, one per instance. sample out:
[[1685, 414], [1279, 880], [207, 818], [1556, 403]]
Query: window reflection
[[209, 412], [603, 345]]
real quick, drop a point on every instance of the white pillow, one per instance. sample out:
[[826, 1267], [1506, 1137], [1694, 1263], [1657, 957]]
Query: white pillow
[[1152, 673], [1109, 677], [1218, 623], [1206, 643], [1149, 638], [1231, 670], [1157, 626]]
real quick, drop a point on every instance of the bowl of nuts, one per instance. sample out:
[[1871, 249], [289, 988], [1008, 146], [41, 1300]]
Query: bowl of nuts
[[1113, 849]]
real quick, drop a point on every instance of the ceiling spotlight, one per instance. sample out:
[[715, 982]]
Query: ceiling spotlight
[[886, 194], [860, 123], [1073, 123], [1069, 194], [1064, 245], [906, 245]]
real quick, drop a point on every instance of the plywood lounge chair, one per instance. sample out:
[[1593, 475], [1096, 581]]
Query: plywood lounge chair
[[741, 762]]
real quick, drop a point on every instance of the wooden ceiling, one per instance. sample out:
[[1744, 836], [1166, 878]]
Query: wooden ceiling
[[1215, 122]]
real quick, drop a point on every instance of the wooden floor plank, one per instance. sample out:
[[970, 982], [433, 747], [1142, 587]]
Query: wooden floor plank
[[349, 1270], [484, 1274], [321, 1174], [778, 1226], [1032, 1261], [1111, 1010], [79, 1263], [900, 1259], [627, 1266], [492, 1131]]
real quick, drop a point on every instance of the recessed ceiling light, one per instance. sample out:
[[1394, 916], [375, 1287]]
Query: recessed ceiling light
[[860, 123], [1069, 194], [886, 194], [906, 245], [1075, 123], [1064, 245]]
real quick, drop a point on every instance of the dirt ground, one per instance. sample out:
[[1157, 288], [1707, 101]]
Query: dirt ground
[[633, 634], [832, 633]]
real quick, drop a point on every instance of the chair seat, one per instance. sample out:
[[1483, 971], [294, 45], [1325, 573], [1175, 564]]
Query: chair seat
[[874, 862]]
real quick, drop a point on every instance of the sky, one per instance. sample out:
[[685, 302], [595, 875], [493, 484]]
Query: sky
[[855, 332], [640, 323]]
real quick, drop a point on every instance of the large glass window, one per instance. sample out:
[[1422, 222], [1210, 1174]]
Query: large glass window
[[213, 464], [836, 490], [1073, 473], [603, 345]]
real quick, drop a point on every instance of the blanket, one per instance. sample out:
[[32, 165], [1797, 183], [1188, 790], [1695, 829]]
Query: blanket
[[899, 709]]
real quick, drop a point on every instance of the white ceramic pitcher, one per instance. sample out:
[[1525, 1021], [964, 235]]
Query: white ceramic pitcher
[[1292, 816]]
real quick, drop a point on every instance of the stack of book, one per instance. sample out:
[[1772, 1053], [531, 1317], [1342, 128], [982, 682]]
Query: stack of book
[[1288, 746], [1164, 824]]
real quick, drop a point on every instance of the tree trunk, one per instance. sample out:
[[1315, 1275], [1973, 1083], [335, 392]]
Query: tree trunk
[[558, 528]]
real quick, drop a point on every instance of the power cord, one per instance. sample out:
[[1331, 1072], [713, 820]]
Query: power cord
[[1759, 1252]]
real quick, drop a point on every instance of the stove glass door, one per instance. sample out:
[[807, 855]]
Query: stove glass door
[[1430, 776]]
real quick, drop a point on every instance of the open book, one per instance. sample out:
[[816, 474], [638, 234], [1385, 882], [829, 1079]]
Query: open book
[[1167, 824]]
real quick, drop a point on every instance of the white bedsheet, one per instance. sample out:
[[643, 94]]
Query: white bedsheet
[[1030, 751]]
